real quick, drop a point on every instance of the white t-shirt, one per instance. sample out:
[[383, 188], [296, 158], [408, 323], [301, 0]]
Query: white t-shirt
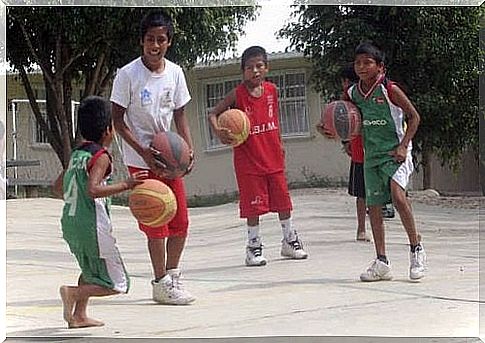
[[150, 100]]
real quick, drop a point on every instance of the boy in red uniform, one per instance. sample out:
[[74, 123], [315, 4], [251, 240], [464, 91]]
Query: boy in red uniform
[[259, 163]]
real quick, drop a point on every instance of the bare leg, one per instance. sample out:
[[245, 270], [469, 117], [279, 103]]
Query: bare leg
[[405, 212], [377, 224], [175, 247], [68, 301], [284, 215], [84, 292], [156, 248], [361, 213], [253, 221], [78, 296]]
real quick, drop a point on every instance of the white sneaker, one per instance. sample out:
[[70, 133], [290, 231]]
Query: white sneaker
[[175, 274], [254, 255], [293, 249], [417, 263], [377, 271], [164, 292]]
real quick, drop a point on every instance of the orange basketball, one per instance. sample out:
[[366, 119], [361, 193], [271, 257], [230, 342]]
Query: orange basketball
[[342, 118], [237, 122], [152, 203], [174, 152]]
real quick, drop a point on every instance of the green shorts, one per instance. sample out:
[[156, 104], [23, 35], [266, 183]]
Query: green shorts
[[377, 183], [105, 272]]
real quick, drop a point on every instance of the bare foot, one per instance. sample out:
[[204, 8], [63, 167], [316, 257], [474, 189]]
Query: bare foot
[[84, 323], [68, 301], [363, 236]]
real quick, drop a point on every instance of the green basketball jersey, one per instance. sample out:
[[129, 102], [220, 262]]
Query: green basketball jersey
[[85, 221], [382, 124]]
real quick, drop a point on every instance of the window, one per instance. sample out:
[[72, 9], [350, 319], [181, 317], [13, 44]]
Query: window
[[40, 137], [213, 93], [292, 103]]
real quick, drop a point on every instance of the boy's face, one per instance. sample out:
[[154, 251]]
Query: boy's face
[[255, 70], [155, 43], [367, 68]]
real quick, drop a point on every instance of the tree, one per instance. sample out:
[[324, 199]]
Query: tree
[[432, 52], [88, 44]]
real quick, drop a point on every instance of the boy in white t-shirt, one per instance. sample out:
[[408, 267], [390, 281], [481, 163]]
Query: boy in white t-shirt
[[148, 93]]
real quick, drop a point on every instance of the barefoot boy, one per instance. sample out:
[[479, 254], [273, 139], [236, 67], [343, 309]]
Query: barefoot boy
[[86, 223]]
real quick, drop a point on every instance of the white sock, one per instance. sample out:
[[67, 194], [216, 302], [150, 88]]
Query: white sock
[[254, 239], [289, 233]]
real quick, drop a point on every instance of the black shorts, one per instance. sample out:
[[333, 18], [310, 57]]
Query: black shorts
[[356, 180]]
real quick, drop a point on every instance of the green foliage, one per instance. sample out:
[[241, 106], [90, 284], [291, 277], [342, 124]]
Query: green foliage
[[88, 44], [432, 52]]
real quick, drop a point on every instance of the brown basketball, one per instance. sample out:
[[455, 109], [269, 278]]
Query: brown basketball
[[174, 153], [237, 122], [152, 203], [342, 119]]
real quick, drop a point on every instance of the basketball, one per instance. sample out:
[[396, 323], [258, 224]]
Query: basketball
[[174, 153], [152, 203], [237, 122], [342, 118]]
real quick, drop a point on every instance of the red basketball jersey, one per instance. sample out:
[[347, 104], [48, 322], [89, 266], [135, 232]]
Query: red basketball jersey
[[262, 153]]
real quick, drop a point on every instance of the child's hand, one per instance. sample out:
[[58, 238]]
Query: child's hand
[[324, 131], [191, 163], [225, 135], [136, 178], [155, 165], [399, 154]]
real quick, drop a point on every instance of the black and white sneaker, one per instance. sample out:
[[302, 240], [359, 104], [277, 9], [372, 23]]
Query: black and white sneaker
[[254, 256], [293, 249]]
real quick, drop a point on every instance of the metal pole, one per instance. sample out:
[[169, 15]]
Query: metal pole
[[14, 138]]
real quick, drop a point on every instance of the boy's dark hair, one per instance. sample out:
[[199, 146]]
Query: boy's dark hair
[[253, 51], [94, 118], [155, 19], [372, 50], [348, 72]]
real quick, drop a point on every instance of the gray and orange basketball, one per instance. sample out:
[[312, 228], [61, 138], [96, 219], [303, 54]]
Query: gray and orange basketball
[[174, 153], [237, 122], [342, 118], [152, 203]]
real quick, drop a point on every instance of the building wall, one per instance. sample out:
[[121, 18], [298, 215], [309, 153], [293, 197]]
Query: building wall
[[465, 180], [308, 158], [23, 138]]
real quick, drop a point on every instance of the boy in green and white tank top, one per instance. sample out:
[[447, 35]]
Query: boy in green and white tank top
[[387, 156], [86, 223]]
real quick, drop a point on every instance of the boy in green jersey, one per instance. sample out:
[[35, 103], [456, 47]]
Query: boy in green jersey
[[387, 159], [86, 223]]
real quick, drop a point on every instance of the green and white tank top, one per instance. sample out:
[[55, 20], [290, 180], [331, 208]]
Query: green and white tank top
[[84, 219], [382, 123]]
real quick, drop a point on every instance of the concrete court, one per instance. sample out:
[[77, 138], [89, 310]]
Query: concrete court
[[308, 299]]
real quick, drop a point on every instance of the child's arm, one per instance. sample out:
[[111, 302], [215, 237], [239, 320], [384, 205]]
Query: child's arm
[[98, 190], [400, 99], [57, 186], [224, 134], [182, 125]]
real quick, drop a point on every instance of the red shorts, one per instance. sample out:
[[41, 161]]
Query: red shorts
[[180, 223], [260, 194]]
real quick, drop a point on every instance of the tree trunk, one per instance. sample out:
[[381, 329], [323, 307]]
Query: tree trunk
[[426, 165]]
